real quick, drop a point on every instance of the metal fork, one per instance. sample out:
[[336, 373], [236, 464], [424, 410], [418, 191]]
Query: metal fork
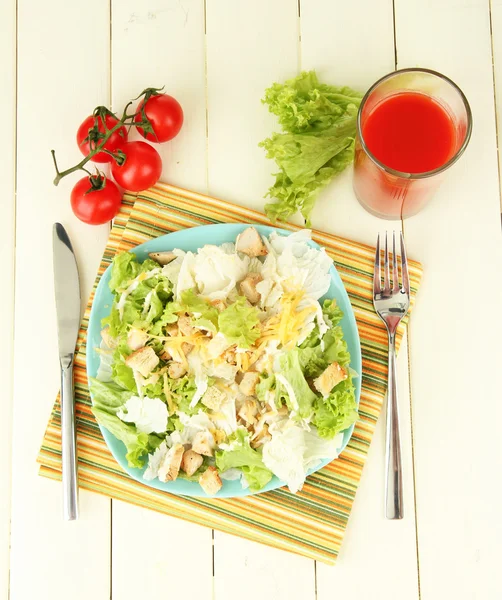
[[391, 305]]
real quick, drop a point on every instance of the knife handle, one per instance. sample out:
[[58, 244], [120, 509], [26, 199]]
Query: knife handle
[[68, 441]]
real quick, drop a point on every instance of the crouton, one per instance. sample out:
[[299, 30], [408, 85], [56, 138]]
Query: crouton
[[176, 370], [202, 443], [230, 356], [170, 467], [110, 341], [248, 287], [213, 398], [186, 348], [248, 411], [219, 436], [219, 304], [143, 360], [136, 338], [172, 330], [165, 355], [185, 326], [163, 258], [210, 481], [249, 242], [330, 377], [191, 462], [248, 384], [260, 439]]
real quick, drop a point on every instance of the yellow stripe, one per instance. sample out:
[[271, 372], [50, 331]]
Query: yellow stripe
[[311, 523]]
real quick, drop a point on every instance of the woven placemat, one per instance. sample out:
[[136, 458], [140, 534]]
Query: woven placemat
[[311, 523]]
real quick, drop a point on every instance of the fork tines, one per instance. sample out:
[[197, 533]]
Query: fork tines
[[377, 277]]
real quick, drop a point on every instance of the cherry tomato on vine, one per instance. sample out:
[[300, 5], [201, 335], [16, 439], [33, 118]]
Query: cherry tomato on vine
[[141, 167], [87, 133], [95, 200], [165, 115]]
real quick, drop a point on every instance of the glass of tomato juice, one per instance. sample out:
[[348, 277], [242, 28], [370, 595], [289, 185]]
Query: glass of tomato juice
[[412, 126]]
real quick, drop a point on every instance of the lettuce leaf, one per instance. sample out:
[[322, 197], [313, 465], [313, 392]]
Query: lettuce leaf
[[202, 312], [124, 268], [332, 312], [239, 323], [336, 412], [242, 456], [292, 371], [183, 390], [107, 399], [313, 357], [319, 124], [108, 396]]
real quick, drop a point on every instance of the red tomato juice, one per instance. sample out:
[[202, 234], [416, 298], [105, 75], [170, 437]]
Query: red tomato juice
[[410, 132]]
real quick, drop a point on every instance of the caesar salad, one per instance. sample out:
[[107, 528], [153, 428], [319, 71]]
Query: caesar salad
[[222, 364]]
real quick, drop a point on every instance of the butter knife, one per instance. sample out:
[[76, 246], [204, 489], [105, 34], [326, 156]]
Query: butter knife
[[67, 291]]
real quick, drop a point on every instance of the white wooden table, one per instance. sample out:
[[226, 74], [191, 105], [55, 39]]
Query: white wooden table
[[59, 60]]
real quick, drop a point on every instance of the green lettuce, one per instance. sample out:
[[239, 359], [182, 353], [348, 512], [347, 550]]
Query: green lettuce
[[242, 456], [239, 323], [169, 315], [291, 369], [319, 124], [207, 314], [313, 357], [107, 398], [332, 311], [183, 390], [126, 267], [158, 288], [336, 412]]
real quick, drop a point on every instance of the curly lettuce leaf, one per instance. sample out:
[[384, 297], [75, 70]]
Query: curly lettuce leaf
[[124, 268], [183, 390], [319, 124], [242, 456], [336, 412], [239, 323], [303, 103], [332, 312]]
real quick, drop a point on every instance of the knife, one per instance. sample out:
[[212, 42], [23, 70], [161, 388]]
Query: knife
[[67, 291]]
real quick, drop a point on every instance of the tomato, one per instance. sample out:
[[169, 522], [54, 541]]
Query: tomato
[[165, 115], [94, 204], [86, 129], [141, 168]]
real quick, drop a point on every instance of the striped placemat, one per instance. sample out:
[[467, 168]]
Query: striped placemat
[[311, 523]]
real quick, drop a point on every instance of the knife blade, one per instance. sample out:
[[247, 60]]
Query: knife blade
[[67, 293]]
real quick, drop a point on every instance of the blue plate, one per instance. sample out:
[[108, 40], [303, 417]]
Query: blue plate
[[193, 239]]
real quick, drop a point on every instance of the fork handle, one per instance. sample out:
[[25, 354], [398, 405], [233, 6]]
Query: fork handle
[[393, 471]]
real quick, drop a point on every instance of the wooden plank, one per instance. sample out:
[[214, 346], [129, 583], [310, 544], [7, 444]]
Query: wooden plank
[[356, 50], [7, 245], [156, 44], [162, 44], [178, 558], [61, 78], [456, 326], [496, 30], [249, 46], [385, 551]]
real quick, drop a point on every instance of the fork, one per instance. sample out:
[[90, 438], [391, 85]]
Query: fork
[[391, 305]]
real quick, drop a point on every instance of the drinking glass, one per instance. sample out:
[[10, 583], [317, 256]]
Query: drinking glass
[[392, 194]]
